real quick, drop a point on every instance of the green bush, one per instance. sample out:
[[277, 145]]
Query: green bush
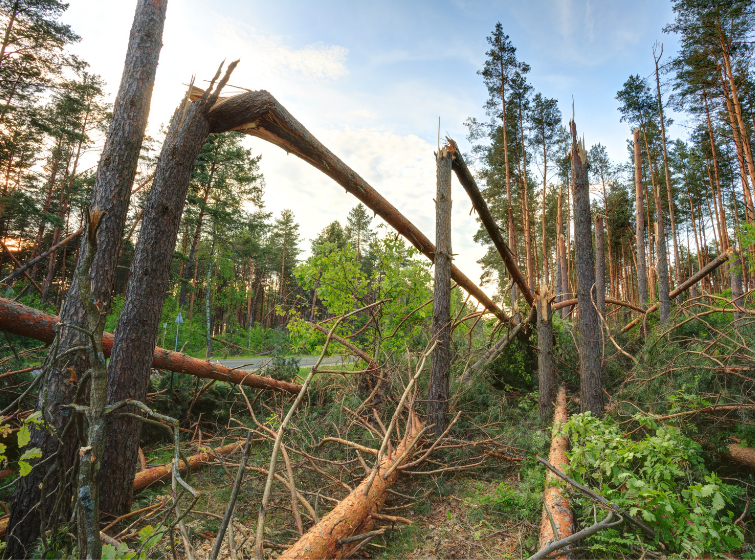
[[661, 478]]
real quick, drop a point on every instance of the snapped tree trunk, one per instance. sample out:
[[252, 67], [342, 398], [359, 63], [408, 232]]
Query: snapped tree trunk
[[437, 398], [545, 363], [591, 388], [112, 191], [136, 335]]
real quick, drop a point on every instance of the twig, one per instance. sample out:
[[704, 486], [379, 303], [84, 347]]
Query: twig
[[259, 546], [232, 501], [400, 406], [576, 537]]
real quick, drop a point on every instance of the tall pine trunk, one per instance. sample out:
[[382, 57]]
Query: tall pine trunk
[[642, 278], [590, 355], [136, 334], [112, 191], [437, 398]]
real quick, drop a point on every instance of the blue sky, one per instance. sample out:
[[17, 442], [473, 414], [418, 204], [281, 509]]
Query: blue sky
[[370, 80]]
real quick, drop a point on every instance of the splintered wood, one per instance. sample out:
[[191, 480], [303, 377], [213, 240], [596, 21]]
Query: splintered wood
[[555, 499], [354, 514]]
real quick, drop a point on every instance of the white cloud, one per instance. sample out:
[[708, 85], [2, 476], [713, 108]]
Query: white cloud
[[400, 167]]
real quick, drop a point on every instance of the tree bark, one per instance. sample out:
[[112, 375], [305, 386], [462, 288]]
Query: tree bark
[[112, 190], [642, 278], [545, 364], [600, 266], [136, 335], [437, 397], [352, 514], [555, 498], [669, 186], [590, 355]]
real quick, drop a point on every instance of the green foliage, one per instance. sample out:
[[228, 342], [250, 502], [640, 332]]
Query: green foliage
[[396, 274], [661, 478], [518, 499], [148, 538], [24, 437]]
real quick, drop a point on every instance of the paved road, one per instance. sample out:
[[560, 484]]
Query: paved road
[[252, 364]]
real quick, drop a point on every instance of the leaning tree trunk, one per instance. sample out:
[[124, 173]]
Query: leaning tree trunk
[[112, 190], [642, 278], [437, 398], [591, 389], [136, 335]]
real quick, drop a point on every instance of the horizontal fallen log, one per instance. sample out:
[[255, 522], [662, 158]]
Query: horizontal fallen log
[[259, 114], [146, 478], [26, 321], [353, 515], [686, 285], [741, 454], [557, 521], [38, 258]]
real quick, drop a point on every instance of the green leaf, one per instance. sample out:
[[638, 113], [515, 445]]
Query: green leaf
[[33, 453], [24, 467], [718, 501], [24, 435]]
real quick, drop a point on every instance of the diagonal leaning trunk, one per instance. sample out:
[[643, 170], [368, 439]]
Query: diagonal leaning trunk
[[590, 355], [112, 190], [437, 392]]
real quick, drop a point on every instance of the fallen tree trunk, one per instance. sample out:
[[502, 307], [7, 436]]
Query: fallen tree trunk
[[38, 258], [557, 522], [259, 114], [146, 478], [26, 321], [741, 454], [353, 515], [470, 185], [687, 284]]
